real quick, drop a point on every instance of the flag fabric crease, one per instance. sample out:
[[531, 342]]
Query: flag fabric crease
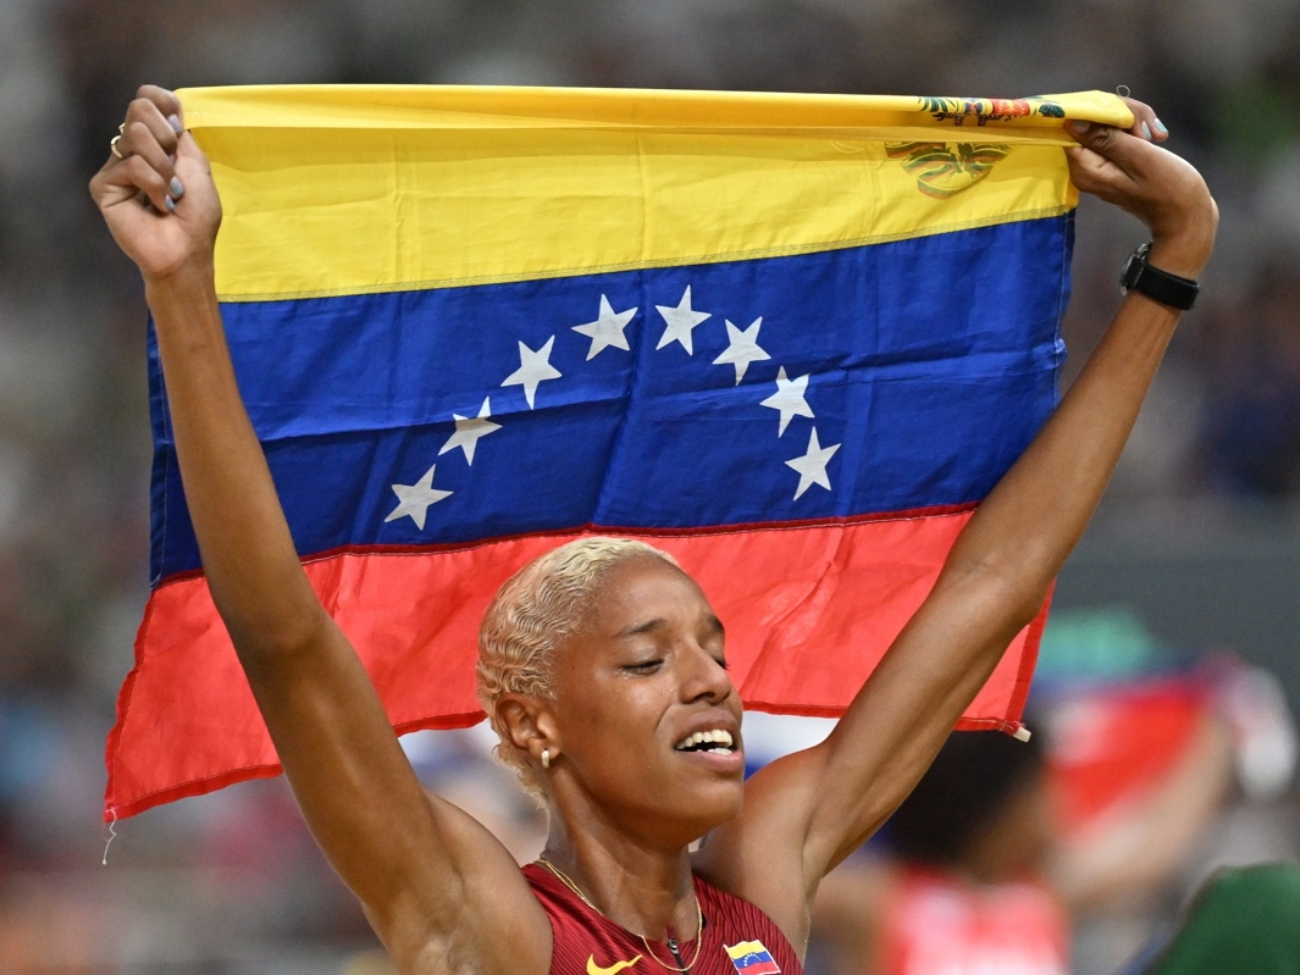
[[791, 339]]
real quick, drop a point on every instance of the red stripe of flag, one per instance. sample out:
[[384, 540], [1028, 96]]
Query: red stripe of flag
[[802, 614]]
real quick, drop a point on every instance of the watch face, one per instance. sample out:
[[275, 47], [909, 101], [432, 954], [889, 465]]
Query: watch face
[[1132, 271]]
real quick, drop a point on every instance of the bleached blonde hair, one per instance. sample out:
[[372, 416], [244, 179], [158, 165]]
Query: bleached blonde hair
[[533, 612]]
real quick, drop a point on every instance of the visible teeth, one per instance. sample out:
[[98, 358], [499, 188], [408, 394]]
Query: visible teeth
[[714, 737]]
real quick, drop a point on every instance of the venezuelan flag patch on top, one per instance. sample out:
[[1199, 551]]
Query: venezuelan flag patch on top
[[752, 958]]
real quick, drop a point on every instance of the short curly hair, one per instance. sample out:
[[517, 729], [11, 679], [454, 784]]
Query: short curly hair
[[531, 614]]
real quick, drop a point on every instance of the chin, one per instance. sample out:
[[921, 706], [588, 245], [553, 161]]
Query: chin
[[713, 807], [677, 816]]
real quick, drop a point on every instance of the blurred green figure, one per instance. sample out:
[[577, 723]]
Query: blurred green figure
[[1244, 920]]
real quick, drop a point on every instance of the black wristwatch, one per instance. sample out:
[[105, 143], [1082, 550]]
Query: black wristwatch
[[1168, 289]]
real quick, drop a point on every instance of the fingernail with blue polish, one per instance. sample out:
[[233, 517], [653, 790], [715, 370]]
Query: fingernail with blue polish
[[175, 122], [170, 203], [1160, 127], [177, 189], [1078, 126], [1146, 132]]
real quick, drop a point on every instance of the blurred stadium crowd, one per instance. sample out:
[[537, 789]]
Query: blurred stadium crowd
[[231, 883]]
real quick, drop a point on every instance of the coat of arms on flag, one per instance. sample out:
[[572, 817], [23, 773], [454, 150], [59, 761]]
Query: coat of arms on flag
[[470, 324], [752, 958]]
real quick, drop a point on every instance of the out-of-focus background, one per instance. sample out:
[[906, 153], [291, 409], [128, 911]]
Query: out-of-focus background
[[1189, 575]]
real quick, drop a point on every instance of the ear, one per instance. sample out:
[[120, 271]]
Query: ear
[[529, 724]]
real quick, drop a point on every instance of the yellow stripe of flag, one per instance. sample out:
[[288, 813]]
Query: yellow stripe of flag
[[350, 190]]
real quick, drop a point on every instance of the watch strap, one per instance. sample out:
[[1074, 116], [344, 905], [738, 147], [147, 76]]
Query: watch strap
[[1162, 286]]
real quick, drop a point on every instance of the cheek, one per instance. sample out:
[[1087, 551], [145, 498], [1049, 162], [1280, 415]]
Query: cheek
[[623, 712], [610, 721]]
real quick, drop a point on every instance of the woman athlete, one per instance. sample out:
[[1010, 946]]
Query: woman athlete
[[603, 667]]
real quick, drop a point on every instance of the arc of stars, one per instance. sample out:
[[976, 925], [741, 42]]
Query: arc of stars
[[609, 330]]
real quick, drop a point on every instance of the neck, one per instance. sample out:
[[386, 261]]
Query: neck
[[645, 889]]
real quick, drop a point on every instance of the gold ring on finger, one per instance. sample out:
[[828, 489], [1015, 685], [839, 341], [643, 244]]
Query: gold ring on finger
[[112, 146]]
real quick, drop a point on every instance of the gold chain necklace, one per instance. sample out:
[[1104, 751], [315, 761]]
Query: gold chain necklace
[[565, 879]]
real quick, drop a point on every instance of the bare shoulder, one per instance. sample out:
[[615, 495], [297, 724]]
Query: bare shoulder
[[481, 916]]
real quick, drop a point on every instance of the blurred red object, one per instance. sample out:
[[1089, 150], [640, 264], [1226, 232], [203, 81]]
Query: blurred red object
[[1112, 745]]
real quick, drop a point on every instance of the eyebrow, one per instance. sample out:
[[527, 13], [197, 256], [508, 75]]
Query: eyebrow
[[654, 623]]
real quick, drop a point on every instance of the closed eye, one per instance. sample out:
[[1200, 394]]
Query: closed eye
[[643, 667]]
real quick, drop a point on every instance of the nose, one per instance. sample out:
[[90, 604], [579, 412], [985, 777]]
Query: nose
[[703, 678]]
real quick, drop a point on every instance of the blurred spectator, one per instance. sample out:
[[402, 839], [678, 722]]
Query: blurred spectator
[[1249, 363], [1244, 920], [982, 872]]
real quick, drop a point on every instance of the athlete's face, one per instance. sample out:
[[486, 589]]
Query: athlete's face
[[648, 718]]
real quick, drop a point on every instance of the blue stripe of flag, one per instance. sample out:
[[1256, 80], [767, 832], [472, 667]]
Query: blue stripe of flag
[[931, 362]]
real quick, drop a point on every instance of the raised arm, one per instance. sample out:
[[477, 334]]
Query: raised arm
[[420, 866], [805, 813]]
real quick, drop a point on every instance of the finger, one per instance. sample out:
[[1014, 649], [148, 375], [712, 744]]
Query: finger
[[1087, 169], [136, 175], [148, 142], [169, 106], [146, 123], [1112, 144], [1146, 125], [142, 143], [1095, 174]]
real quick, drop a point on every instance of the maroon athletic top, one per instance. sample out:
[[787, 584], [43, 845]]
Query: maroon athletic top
[[737, 939]]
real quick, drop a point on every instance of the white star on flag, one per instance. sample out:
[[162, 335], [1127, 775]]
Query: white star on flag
[[607, 329], [743, 348], [812, 465], [789, 399], [414, 499], [469, 430], [681, 321], [534, 368]]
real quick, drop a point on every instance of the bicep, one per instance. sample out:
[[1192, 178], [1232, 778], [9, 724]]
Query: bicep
[[352, 781]]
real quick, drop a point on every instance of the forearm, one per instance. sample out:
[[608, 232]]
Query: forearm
[[248, 554], [1033, 518], [1030, 522]]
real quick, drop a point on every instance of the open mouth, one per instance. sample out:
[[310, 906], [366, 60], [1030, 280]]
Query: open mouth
[[718, 741]]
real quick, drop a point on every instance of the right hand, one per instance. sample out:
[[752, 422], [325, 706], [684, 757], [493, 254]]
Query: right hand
[[159, 202]]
